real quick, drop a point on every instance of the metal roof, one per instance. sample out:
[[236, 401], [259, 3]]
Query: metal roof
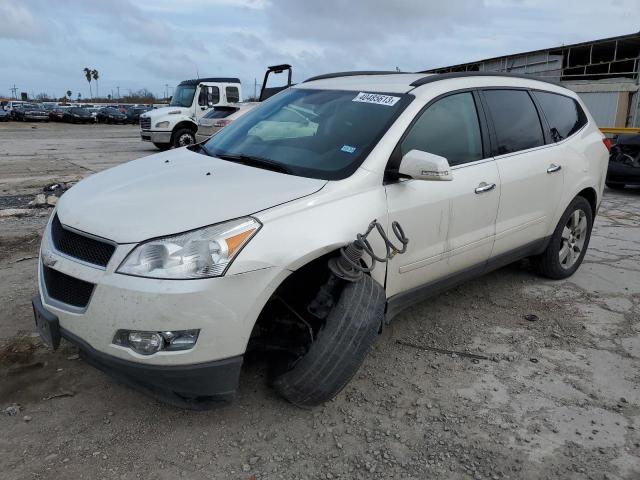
[[197, 81]]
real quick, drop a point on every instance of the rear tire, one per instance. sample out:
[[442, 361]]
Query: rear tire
[[339, 349], [615, 186], [569, 242]]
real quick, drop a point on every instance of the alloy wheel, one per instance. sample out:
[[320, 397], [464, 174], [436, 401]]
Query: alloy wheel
[[574, 235]]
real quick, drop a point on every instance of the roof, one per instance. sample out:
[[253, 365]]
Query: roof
[[197, 81], [398, 82], [369, 81]]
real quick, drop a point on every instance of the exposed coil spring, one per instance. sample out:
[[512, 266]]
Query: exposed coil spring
[[348, 265]]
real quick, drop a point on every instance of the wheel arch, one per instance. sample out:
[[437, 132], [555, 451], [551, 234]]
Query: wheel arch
[[186, 124], [591, 196]]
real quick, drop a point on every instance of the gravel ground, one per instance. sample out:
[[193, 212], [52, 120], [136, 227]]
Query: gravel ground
[[557, 397]]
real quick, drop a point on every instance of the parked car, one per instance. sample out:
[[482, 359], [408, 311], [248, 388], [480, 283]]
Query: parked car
[[219, 117], [110, 115], [93, 111], [5, 115], [77, 115], [133, 114], [57, 114], [261, 239], [30, 112], [624, 162]]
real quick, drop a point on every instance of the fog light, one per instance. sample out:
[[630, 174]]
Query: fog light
[[145, 343], [148, 343]]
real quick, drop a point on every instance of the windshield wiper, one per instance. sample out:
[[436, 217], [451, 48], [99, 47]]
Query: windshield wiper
[[253, 161]]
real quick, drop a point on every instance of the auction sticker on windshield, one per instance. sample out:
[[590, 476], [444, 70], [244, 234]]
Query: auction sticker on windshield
[[376, 98]]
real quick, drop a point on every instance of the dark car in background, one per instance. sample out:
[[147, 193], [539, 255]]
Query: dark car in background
[[110, 115], [5, 116], [77, 115], [31, 112], [624, 162], [133, 114], [57, 113]]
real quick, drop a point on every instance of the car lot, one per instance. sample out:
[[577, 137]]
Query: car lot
[[557, 397]]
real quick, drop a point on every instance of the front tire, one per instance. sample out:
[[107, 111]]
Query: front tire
[[183, 138], [339, 349], [162, 146], [569, 242]]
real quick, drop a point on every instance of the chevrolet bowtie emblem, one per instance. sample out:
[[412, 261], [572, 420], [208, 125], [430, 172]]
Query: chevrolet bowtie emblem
[[48, 259]]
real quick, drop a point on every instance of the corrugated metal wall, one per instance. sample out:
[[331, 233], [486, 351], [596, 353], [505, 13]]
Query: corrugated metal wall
[[603, 107]]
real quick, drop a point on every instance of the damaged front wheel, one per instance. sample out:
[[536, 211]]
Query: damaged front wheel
[[339, 348]]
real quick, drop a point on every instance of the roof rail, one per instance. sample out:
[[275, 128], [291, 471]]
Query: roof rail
[[436, 77], [351, 74]]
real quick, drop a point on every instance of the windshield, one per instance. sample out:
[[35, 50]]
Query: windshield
[[323, 134], [183, 96]]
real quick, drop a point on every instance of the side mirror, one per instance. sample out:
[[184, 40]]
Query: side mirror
[[425, 166]]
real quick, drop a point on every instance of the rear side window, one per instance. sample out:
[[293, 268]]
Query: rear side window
[[233, 94], [449, 128], [516, 120], [564, 115]]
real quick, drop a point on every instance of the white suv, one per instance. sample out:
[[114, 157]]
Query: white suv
[[166, 270]]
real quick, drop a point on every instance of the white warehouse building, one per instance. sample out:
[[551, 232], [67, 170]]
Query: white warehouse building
[[605, 73]]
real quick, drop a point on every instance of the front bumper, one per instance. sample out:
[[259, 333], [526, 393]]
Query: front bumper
[[36, 117], [155, 137]]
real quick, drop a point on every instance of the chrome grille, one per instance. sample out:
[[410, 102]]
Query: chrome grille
[[145, 123]]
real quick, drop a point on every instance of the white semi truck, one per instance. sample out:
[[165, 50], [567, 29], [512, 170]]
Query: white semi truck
[[177, 124]]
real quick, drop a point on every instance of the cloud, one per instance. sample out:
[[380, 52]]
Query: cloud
[[19, 23]]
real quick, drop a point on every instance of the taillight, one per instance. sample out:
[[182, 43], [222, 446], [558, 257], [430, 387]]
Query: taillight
[[607, 143], [221, 123]]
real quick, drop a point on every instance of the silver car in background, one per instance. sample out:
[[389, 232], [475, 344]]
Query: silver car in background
[[219, 117]]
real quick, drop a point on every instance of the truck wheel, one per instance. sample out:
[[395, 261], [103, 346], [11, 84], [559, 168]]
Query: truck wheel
[[339, 349], [162, 146], [615, 186], [183, 137], [569, 242]]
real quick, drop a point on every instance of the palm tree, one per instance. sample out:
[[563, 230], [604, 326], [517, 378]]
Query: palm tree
[[95, 75], [87, 75], [69, 93]]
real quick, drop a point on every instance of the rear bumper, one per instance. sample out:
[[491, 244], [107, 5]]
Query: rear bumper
[[189, 386], [155, 137], [623, 174]]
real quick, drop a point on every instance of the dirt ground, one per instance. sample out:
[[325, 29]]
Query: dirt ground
[[558, 397]]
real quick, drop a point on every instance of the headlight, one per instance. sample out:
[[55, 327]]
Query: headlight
[[203, 253], [162, 125]]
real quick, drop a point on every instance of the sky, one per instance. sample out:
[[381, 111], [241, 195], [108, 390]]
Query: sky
[[152, 44]]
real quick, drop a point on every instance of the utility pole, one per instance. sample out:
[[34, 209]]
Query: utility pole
[[118, 92], [255, 88], [14, 90], [166, 91]]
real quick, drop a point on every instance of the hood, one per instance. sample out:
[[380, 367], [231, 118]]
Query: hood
[[164, 111], [173, 192]]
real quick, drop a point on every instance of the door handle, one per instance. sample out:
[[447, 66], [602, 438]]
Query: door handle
[[554, 168], [485, 187]]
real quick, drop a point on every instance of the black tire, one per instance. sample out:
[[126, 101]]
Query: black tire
[[180, 135], [162, 146], [615, 186], [548, 263], [339, 349]]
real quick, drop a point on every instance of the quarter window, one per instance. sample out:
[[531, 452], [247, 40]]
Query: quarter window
[[515, 119], [448, 128], [233, 94], [564, 115]]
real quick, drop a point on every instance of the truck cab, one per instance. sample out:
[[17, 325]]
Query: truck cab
[[177, 124]]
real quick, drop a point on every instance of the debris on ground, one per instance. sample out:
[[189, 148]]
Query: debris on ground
[[12, 410]]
